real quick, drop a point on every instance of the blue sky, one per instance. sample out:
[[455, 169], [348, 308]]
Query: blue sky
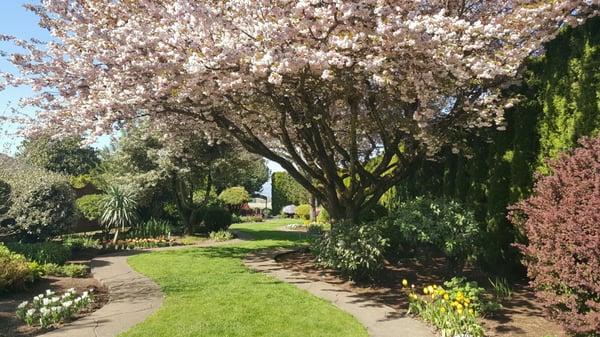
[[17, 21]]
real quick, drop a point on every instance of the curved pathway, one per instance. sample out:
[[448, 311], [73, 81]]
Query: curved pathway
[[133, 296], [380, 320]]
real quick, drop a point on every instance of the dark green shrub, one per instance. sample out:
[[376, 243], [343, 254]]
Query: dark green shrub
[[152, 228], [15, 271], [5, 192], [43, 203], [41, 252], [356, 251], [79, 242], [373, 214], [428, 223], [216, 219], [90, 206], [303, 211], [67, 270]]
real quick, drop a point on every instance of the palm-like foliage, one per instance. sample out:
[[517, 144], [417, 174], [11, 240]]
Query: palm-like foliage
[[119, 209]]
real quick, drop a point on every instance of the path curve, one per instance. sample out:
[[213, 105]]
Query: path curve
[[132, 296], [380, 320]]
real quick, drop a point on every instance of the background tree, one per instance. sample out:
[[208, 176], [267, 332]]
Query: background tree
[[234, 198], [65, 156], [320, 88]]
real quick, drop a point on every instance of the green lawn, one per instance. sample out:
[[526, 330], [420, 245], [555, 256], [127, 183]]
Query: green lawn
[[209, 292]]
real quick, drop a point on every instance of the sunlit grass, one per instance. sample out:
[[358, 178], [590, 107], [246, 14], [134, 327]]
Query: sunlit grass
[[209, 292]]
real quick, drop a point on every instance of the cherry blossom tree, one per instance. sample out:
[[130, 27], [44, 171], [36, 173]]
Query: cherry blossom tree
[[342, 94]]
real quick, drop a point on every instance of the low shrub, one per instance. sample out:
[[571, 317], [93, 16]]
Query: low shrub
[[422, 223], [42, 252], [49, 308], [236, 219], [303, 211], [252, 218], [315, 229], [139, 243], [67, 270], [221, 236], [15, 271], [80, 242], [356, 251], [562, 223], [323, 216], [152, 228], [90, 206], [453, 308], [216, 219]]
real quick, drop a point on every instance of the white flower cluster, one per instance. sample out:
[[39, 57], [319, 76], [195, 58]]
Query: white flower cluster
[[50, 308]]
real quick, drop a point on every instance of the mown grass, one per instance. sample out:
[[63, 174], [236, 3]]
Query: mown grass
[[209, 292]]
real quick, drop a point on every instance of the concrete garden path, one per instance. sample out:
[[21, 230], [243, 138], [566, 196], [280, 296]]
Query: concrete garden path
[[380, 320], [132, 296]]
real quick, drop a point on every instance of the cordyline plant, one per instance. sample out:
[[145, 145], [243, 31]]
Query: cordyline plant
[[562, 223], [342, 94], [119, 210]]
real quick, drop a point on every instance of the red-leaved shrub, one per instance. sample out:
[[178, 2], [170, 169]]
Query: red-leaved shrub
[[562, 223]]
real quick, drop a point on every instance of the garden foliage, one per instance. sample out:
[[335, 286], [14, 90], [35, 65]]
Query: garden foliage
[[215, 219], [354, 250], [15, 271], [234, 197], [90, 206], [303, 211], [42, 202], [286, 191], [65, 156], [42, 252], [50, 308], [558, 104], [562, 223], [442, 225]]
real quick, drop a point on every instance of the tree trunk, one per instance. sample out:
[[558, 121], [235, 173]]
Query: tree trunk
[[313, 208]]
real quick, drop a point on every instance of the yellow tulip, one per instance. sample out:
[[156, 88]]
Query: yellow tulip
[[471, 311], [442, 309], [430, 288], [425, 291], [404, 283], [446, 297], [459, 311]]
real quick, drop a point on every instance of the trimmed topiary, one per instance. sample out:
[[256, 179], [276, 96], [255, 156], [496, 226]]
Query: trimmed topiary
[[562, 223], [303, 211]]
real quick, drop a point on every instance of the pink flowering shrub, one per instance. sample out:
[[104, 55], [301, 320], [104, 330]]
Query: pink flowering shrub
[[562, 223]]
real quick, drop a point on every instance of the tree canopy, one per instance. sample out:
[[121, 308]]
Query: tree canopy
[[319, 87]]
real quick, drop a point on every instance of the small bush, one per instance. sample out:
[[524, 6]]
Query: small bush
[[440, 224], [453, 308], [236, 218], [216, 219], [15, 271], [79, 242], [152, 228], [354, 250], [252, 218], [234, 197], [90, 206], [303, 211], [562, 223], [42, 252], [221, 236], [323, 216], [315, 229], [68, 270]]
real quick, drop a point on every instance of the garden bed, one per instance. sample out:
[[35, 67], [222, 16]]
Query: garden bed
[[12, 326], [520, 315]]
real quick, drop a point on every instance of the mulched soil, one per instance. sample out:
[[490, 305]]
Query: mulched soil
[[520, 316], [11, 326]]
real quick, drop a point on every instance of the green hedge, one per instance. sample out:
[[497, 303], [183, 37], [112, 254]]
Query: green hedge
[[42, 202], [90, 206], [286, 191], [559, 103], [42, 252]]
